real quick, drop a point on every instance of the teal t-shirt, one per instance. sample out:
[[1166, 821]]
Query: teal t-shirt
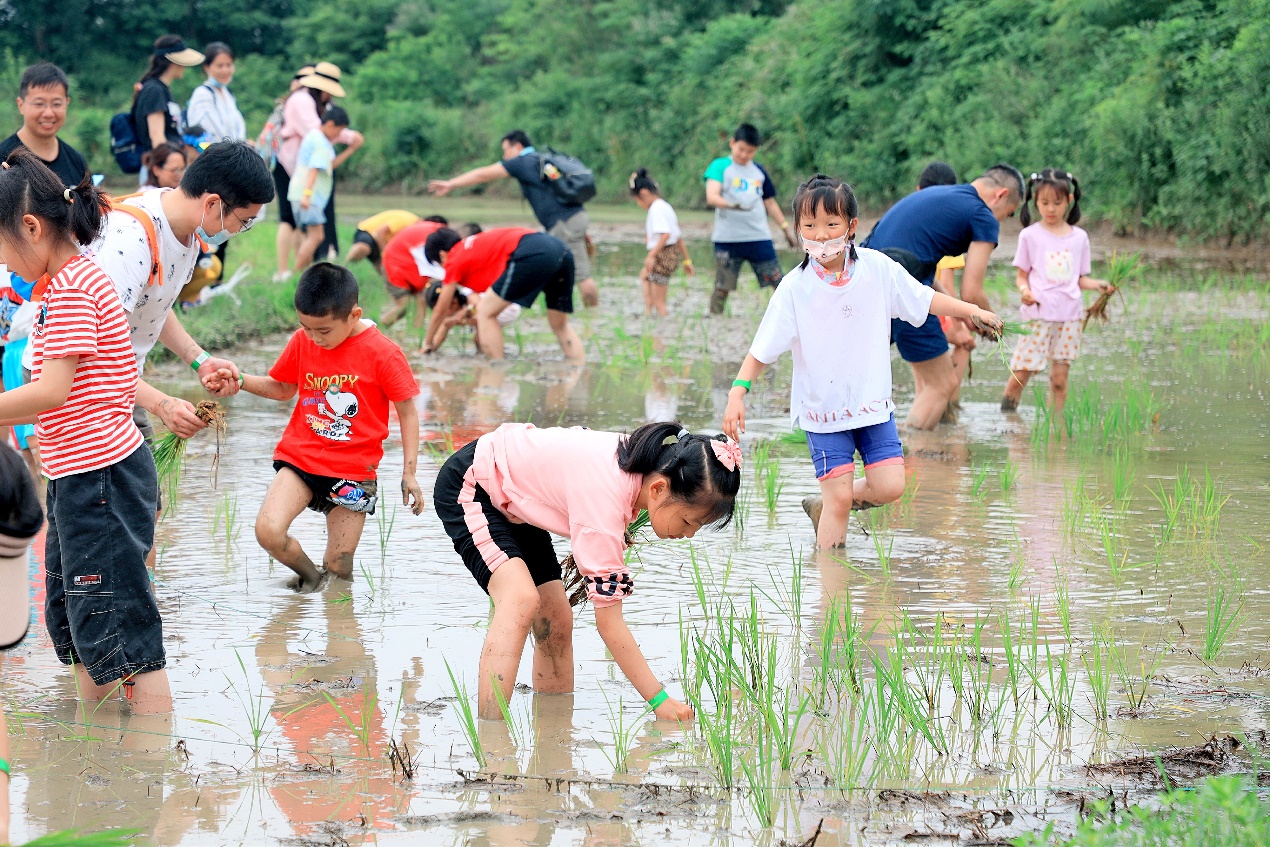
[[317, 153], [747, 186]]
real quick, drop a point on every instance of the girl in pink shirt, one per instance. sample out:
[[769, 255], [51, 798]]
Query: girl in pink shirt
[[1053, 262], [502, 496]]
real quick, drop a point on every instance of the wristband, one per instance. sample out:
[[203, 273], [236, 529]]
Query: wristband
[[4, 765], [199, 360], [241, 380], [658, 698], [308, 192], [744, 383]]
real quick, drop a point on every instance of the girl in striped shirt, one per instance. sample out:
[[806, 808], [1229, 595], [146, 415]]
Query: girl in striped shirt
[[103, 491]]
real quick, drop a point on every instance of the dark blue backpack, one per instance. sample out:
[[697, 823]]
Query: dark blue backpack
[[123, 143]]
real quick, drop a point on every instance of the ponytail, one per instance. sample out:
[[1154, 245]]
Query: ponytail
[[28, 187], [1025, 211], [688, 462], [1073, 214], [641, 181]]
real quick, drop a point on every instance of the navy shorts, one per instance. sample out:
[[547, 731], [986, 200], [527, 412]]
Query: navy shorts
[[731, 256], [330, 492], [919, 343], [540, 263], [833, 453], [99, 607], [483, 536]]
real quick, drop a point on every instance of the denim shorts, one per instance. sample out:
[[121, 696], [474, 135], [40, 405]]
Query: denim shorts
[[833, 453], [919, 343], [315, 215], [99, 607]]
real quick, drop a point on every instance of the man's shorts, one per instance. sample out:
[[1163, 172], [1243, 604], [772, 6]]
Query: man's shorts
[[1049, 341], [483, 536], [99, 607], [919, 343], [730, 256], [361, 236], [142, 420], [833, 453], [540, 263], [572, 231], [330, 492], [665, 263], [315, 215]]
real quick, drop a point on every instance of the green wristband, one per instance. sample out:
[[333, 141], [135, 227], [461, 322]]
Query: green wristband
[[199, 360], [744, 383], [658, 698], [4, 765]]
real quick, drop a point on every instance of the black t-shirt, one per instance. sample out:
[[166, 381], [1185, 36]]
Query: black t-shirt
[[69, 165], [155, 96], [548, 209]]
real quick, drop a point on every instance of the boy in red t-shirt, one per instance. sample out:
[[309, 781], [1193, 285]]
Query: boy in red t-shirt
[[346, 373], [406, 271], [506, 265]]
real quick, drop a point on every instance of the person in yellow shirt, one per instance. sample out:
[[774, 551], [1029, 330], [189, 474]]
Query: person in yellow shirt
[[374, 232]]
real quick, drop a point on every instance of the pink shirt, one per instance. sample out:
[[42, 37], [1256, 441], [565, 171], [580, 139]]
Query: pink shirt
[[1054, 265], [567, 482], [299, 117]]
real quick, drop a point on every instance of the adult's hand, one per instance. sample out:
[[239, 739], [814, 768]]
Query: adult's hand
[[178, 415], [216, 374], [440, 187]]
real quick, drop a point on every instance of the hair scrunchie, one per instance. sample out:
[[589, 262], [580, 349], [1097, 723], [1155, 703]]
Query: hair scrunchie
[[70, 198]]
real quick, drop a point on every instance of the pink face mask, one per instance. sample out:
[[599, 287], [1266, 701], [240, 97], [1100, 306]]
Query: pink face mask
[[825, 251]]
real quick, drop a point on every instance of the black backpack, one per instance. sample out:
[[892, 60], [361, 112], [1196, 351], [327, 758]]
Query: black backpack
[[570, 180]]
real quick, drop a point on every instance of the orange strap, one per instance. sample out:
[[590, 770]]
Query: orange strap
[[37, 291], [152, 236]]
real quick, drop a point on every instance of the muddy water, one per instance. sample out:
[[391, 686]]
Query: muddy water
[[286, 705]]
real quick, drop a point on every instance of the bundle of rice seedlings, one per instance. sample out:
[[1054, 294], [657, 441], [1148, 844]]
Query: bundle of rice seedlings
[[574, 582], [1121, 268], [1010, 329], [169, 449]]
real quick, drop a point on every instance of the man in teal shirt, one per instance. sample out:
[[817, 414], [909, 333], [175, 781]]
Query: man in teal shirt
[[743, 197]]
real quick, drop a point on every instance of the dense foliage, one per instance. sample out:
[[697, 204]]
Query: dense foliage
[[1160, 106]]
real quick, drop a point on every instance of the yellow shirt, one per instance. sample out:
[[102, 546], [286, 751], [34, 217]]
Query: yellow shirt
[[952, 263], [395, 219]]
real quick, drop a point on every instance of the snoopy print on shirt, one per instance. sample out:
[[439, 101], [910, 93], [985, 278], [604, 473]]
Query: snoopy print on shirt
[[334, 407]]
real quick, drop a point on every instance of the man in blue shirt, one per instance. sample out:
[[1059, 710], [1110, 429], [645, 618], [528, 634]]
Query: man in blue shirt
[[918, 231]]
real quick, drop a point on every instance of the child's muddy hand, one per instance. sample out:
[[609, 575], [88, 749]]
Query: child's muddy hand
[[223, 383], [672, 710], [411, 494], [987, 324], [734, 416]]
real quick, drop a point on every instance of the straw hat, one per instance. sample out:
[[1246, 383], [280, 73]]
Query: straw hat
[[179, 54], [325, 77]]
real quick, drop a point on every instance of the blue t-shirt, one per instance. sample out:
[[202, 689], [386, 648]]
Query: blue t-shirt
[[936, 222]]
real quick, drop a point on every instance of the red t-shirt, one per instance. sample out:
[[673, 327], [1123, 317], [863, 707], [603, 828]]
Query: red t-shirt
[[479, 260], [400, 265], [341, 417], [80, 315]]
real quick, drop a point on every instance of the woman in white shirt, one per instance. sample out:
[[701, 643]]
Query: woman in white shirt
[[212, 105], [664, 242], [834, 313]]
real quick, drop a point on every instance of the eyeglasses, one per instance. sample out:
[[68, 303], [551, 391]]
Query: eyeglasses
[[244, 224], [41, 105], [180, 169]]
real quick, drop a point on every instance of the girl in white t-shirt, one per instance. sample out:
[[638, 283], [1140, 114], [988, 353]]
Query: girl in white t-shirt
[[834, 312], [664, 241]]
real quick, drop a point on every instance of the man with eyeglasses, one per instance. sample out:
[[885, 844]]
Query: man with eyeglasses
[[219, 196], [43, 97]]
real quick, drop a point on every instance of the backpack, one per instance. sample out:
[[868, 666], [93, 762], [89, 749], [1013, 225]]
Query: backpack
[[270, 138], [123, 143], [570, 180]]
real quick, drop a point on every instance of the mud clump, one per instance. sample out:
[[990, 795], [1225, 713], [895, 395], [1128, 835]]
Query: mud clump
[[1186, 764]]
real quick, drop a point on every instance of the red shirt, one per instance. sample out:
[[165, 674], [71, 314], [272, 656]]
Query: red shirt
[[400, 265], [80, 315], [479, 260], [341, 418]]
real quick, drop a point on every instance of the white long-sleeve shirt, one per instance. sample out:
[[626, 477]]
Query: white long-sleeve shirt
[[216, 111]]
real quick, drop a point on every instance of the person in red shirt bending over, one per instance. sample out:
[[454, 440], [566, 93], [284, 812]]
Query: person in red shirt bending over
[[406, 271], [506, 265], [346, 373]]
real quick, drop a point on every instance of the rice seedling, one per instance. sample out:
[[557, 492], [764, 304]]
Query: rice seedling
[[1009, 329], [226, 516], [839, 651], [622, 732], [365, 715], [1063, 601], [385, 520], [254, 706], [759, 777], [1222, 613], [884, 555], [1059, 686], [845, 754], [768, 476], [169, 449], [1009, 475], [467, 718], [1121, 269], [575, 583], [75, 838], [1134, 671], [1097, 661], [1116, 558], [368, 577], [978, 476], [1122, 477]]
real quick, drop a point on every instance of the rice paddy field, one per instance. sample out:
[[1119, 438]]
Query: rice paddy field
[[1063, 617]]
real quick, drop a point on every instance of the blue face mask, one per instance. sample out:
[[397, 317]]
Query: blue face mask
[[217, 239], [214, 82]]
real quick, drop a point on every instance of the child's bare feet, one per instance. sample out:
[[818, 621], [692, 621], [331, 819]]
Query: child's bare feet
[[814, 505], [302, 584], [1009, 404]]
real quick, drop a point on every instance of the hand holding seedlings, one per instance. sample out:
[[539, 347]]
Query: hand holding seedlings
[[180, 416]]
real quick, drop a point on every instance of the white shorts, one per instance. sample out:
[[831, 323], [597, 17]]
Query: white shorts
[[1049, 341]]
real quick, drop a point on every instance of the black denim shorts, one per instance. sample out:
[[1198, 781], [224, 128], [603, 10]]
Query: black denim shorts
[[99, 607], [330, 492]]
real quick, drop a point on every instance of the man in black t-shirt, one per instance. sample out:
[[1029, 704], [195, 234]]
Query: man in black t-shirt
[[566, 221], [43, 97]]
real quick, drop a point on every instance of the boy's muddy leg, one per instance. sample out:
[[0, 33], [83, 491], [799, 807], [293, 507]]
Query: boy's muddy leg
[[286, 498], [570, 343], [1014, 390], [727, 270], [516, 600], [552, 629], [343, 532]]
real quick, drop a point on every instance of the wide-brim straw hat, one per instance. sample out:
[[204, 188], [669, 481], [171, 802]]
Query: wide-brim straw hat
[[325, 77], [186, 57]]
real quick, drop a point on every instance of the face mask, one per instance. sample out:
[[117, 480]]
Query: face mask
[[213, 240], [214, 82], [825, 251]]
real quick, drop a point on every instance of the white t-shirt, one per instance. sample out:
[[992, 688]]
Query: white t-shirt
[[661, 219], [123, 252], [840, 336]]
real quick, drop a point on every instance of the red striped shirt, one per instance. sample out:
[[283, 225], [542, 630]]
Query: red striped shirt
[[81, 315]]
